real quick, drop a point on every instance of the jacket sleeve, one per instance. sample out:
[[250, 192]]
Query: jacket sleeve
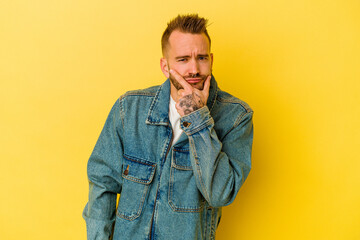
[[104, 174], [220, 167]]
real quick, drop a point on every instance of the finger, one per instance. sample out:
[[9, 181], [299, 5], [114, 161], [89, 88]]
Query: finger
[[181, 92], [207, 84], [181, 80]]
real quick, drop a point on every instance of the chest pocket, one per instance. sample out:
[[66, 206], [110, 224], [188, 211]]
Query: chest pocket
[[137, 175], [184, 195]]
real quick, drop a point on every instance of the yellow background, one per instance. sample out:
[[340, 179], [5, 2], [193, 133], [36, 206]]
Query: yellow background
[[297, 63]]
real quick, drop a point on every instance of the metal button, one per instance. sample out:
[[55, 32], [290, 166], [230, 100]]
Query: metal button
[[186, 124], [126, 172]]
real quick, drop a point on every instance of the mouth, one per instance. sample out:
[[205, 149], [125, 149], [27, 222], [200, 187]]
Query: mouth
[[193, 80]]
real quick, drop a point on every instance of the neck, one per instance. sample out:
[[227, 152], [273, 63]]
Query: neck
[[173, 93]]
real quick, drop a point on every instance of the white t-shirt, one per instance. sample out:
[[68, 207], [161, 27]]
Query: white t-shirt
[[174, 120]]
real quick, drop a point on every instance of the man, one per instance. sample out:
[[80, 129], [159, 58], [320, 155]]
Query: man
[[175, 153]]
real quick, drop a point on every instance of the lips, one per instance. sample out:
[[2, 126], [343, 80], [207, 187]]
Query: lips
[[194, 80]]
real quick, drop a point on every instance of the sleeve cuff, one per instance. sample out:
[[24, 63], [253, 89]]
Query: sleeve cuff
[[196, 121]]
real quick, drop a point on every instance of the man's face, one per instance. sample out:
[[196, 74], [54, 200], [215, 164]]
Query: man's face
[[189, 55]]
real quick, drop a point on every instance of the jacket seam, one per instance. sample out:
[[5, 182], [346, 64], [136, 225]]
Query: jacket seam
[[237, 101], [121, 111], [140, 94], [240, 118]]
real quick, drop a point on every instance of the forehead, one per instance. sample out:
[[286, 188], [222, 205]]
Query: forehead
[[180, 43]]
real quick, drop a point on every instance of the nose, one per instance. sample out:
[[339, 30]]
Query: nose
[[194, 67]]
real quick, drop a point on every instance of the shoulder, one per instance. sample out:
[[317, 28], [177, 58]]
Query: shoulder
[[139, 96], [128, 103], [225, 99], [146, 92], [229, 112]]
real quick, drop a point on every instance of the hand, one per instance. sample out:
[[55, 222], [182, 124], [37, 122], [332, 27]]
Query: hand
[[190, 99]]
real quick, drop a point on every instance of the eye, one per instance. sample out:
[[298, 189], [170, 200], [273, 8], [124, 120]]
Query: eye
[[181, 60], [202, 58]]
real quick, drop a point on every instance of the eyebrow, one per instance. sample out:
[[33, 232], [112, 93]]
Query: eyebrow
[[187, 56]]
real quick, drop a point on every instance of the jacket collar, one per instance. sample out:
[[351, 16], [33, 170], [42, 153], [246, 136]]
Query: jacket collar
[[159, 108]]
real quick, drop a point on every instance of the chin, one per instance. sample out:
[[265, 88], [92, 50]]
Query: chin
[[199, 86]]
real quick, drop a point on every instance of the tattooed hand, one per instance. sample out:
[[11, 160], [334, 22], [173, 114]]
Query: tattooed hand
[[190, 98]]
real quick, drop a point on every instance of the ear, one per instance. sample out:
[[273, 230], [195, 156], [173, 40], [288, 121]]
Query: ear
[[164, 67], [212, 59]]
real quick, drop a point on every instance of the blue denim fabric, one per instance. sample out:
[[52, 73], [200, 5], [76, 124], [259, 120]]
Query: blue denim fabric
[[167, 192]]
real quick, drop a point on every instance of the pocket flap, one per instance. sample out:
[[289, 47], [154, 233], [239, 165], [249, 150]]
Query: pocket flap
[[138, 170], [181, 158]]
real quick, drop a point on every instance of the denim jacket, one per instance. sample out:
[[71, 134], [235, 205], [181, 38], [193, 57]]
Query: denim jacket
[[167, 191]]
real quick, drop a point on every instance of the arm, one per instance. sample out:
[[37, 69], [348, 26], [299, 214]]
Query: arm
[[104, 174], [220, 167]]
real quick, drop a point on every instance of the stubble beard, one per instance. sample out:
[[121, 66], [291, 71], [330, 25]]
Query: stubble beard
[[178, 86]]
